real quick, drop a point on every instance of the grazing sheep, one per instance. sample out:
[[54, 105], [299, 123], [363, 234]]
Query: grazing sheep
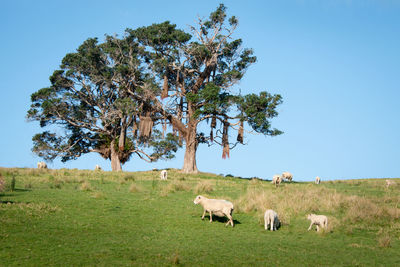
[[287, 176], [219, 207], [389, 183], [318, 220], [97, 168], [276, 180], [317, 180], [271, 218], [164, 175], [41, 165]]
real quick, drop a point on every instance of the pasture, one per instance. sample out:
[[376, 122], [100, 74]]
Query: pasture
[[95, 218]]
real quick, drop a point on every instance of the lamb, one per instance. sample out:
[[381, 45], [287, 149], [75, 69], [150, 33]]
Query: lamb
[[389, 183], [271, 218], [317, 180], [287, 176], [97, 168], [41, 165], [318, 220], [164, 175], [219, 207], [276, 179]]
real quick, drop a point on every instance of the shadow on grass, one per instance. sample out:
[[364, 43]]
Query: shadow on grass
[[21, 190], [12, 202], [220, 219]]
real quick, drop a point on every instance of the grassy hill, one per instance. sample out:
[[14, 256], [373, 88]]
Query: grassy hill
[[95, 218]]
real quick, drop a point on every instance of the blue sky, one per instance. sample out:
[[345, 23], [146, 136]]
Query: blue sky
[[336, 64]]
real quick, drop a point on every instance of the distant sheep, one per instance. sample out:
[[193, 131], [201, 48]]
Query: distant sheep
[[276, 180], [318, 220], [317, 180], [97, 168], [163, 175], [41, 165], [271, 219], [390, 183], [219, 207], [287, 176]]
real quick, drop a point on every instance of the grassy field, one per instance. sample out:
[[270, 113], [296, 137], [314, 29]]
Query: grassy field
[[94, 218]]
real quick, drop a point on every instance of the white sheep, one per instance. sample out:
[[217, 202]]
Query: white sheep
[[163, 175], [389, 183], [318, 220], [317, 180], [287, 176], [219, 207], [271, 219], [276, 179], [97, 168], [41, 165]]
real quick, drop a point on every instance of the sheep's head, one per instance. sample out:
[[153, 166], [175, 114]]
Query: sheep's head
[[197, 199], [309, 216]]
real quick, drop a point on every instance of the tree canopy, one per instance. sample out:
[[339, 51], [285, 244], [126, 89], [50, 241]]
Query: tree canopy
[[154, 77], [89, 99]]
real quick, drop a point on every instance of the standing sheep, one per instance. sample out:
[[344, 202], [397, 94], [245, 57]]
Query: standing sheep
[[219, 207], [163, 175], [41, 165], [271, 219], [287, 176], [97, 168], [389, 183], [317, 180], [318, 220], [276, 180]]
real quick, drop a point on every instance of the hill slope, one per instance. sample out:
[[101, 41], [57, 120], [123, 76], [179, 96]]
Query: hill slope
[[72, 217]]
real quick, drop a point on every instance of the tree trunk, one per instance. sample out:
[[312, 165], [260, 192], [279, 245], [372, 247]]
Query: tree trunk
[[189, 162], [115, 162]]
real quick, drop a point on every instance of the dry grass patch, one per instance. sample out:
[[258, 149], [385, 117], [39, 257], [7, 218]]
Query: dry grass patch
[[293, 201], [86, 186], [383, 239], [134, 188], [204, 186], [174, 187], [99, 195]]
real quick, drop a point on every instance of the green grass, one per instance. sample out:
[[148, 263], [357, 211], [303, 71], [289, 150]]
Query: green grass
[[86, 218]]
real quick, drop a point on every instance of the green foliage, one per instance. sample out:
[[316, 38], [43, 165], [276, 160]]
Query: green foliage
[[101, 90], [258, 109]]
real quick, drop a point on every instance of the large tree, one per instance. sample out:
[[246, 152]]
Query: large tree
[[99, 98], [197, 74]]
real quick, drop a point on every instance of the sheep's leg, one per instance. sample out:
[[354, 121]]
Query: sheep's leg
[[204, 214], [317, 228], [266, 225], [230, 220], [210, 216], [309, 228]]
